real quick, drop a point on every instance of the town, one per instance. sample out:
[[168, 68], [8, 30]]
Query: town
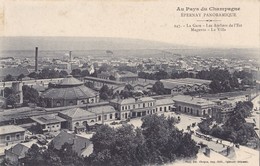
[[107, 108]]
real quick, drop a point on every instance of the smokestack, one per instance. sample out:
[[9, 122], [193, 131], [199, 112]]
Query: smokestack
[[36, 59], [70, 56]]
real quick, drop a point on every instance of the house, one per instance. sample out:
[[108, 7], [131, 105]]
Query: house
[[82, 146], [133, 107], [104, 113], [222, 111], [183, 85], [49, 123], [11, 134], [126, 76], [164, 105], [16, 153], [78, 118], [193, 105]]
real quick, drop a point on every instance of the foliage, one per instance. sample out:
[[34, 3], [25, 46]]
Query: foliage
[[9, 77], [158, 88], [105, 92], [41, 156], [157, 142], [8, 91], [30, 95], [112, 77], [20, 77], [235, 129]]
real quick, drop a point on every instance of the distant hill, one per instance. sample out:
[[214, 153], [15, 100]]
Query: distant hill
[[80, 43], [97, 46]]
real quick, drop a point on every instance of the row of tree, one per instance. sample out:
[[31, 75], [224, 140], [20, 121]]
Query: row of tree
[[158, 141], [235, 129]]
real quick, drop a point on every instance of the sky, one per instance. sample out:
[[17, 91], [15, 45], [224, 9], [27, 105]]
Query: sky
[[137, 19]]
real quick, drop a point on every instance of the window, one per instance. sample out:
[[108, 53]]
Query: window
[[105, 117], [58, 104], [99, 118], [129, 107], [144, 105], [77, 123], [160, 108], [111, 116], [53, 126], [17, 136], [71, 103], [123, 107], [169, 107], [58, 125], [138, 105], [8, 138], [134, 106]]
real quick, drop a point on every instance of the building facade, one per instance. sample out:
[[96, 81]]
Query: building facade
[[133, 107], [49, 123], [68, 92], [11, 134], [193, 106]]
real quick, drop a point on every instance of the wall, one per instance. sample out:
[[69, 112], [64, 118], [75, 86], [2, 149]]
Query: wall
[[13, 138]]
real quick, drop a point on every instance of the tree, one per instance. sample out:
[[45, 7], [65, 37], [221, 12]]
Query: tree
[[215, 86], [41, 157], [69, 157], [111, 77], [129, 87], [20, 77], [8, 91], [84, 73], [63, 74], [76, 72], [33, 75], [34, 156], [9, 77], [12, 100], [158, 88], [164, 141], [30, 95]]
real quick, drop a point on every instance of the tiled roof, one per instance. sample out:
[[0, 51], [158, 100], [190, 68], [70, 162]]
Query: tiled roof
[[77, 92], [77, 113], [79, 144], [10, 129], [192, 100], [102, 109], [19, 149]]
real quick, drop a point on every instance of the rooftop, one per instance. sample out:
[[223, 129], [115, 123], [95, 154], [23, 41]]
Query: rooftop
[[48, 119], [14, 71], [78, 113], [132, 100], [102, 109], [79, 144], [19, 150], [70, 81], [164, 101], [192, 100], [77, 92], [10, 129]]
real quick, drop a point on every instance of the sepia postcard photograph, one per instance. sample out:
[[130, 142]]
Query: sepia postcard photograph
[[129, 82]]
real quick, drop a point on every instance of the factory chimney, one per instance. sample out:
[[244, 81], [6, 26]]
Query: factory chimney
[[36, 59], [70, 56]]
